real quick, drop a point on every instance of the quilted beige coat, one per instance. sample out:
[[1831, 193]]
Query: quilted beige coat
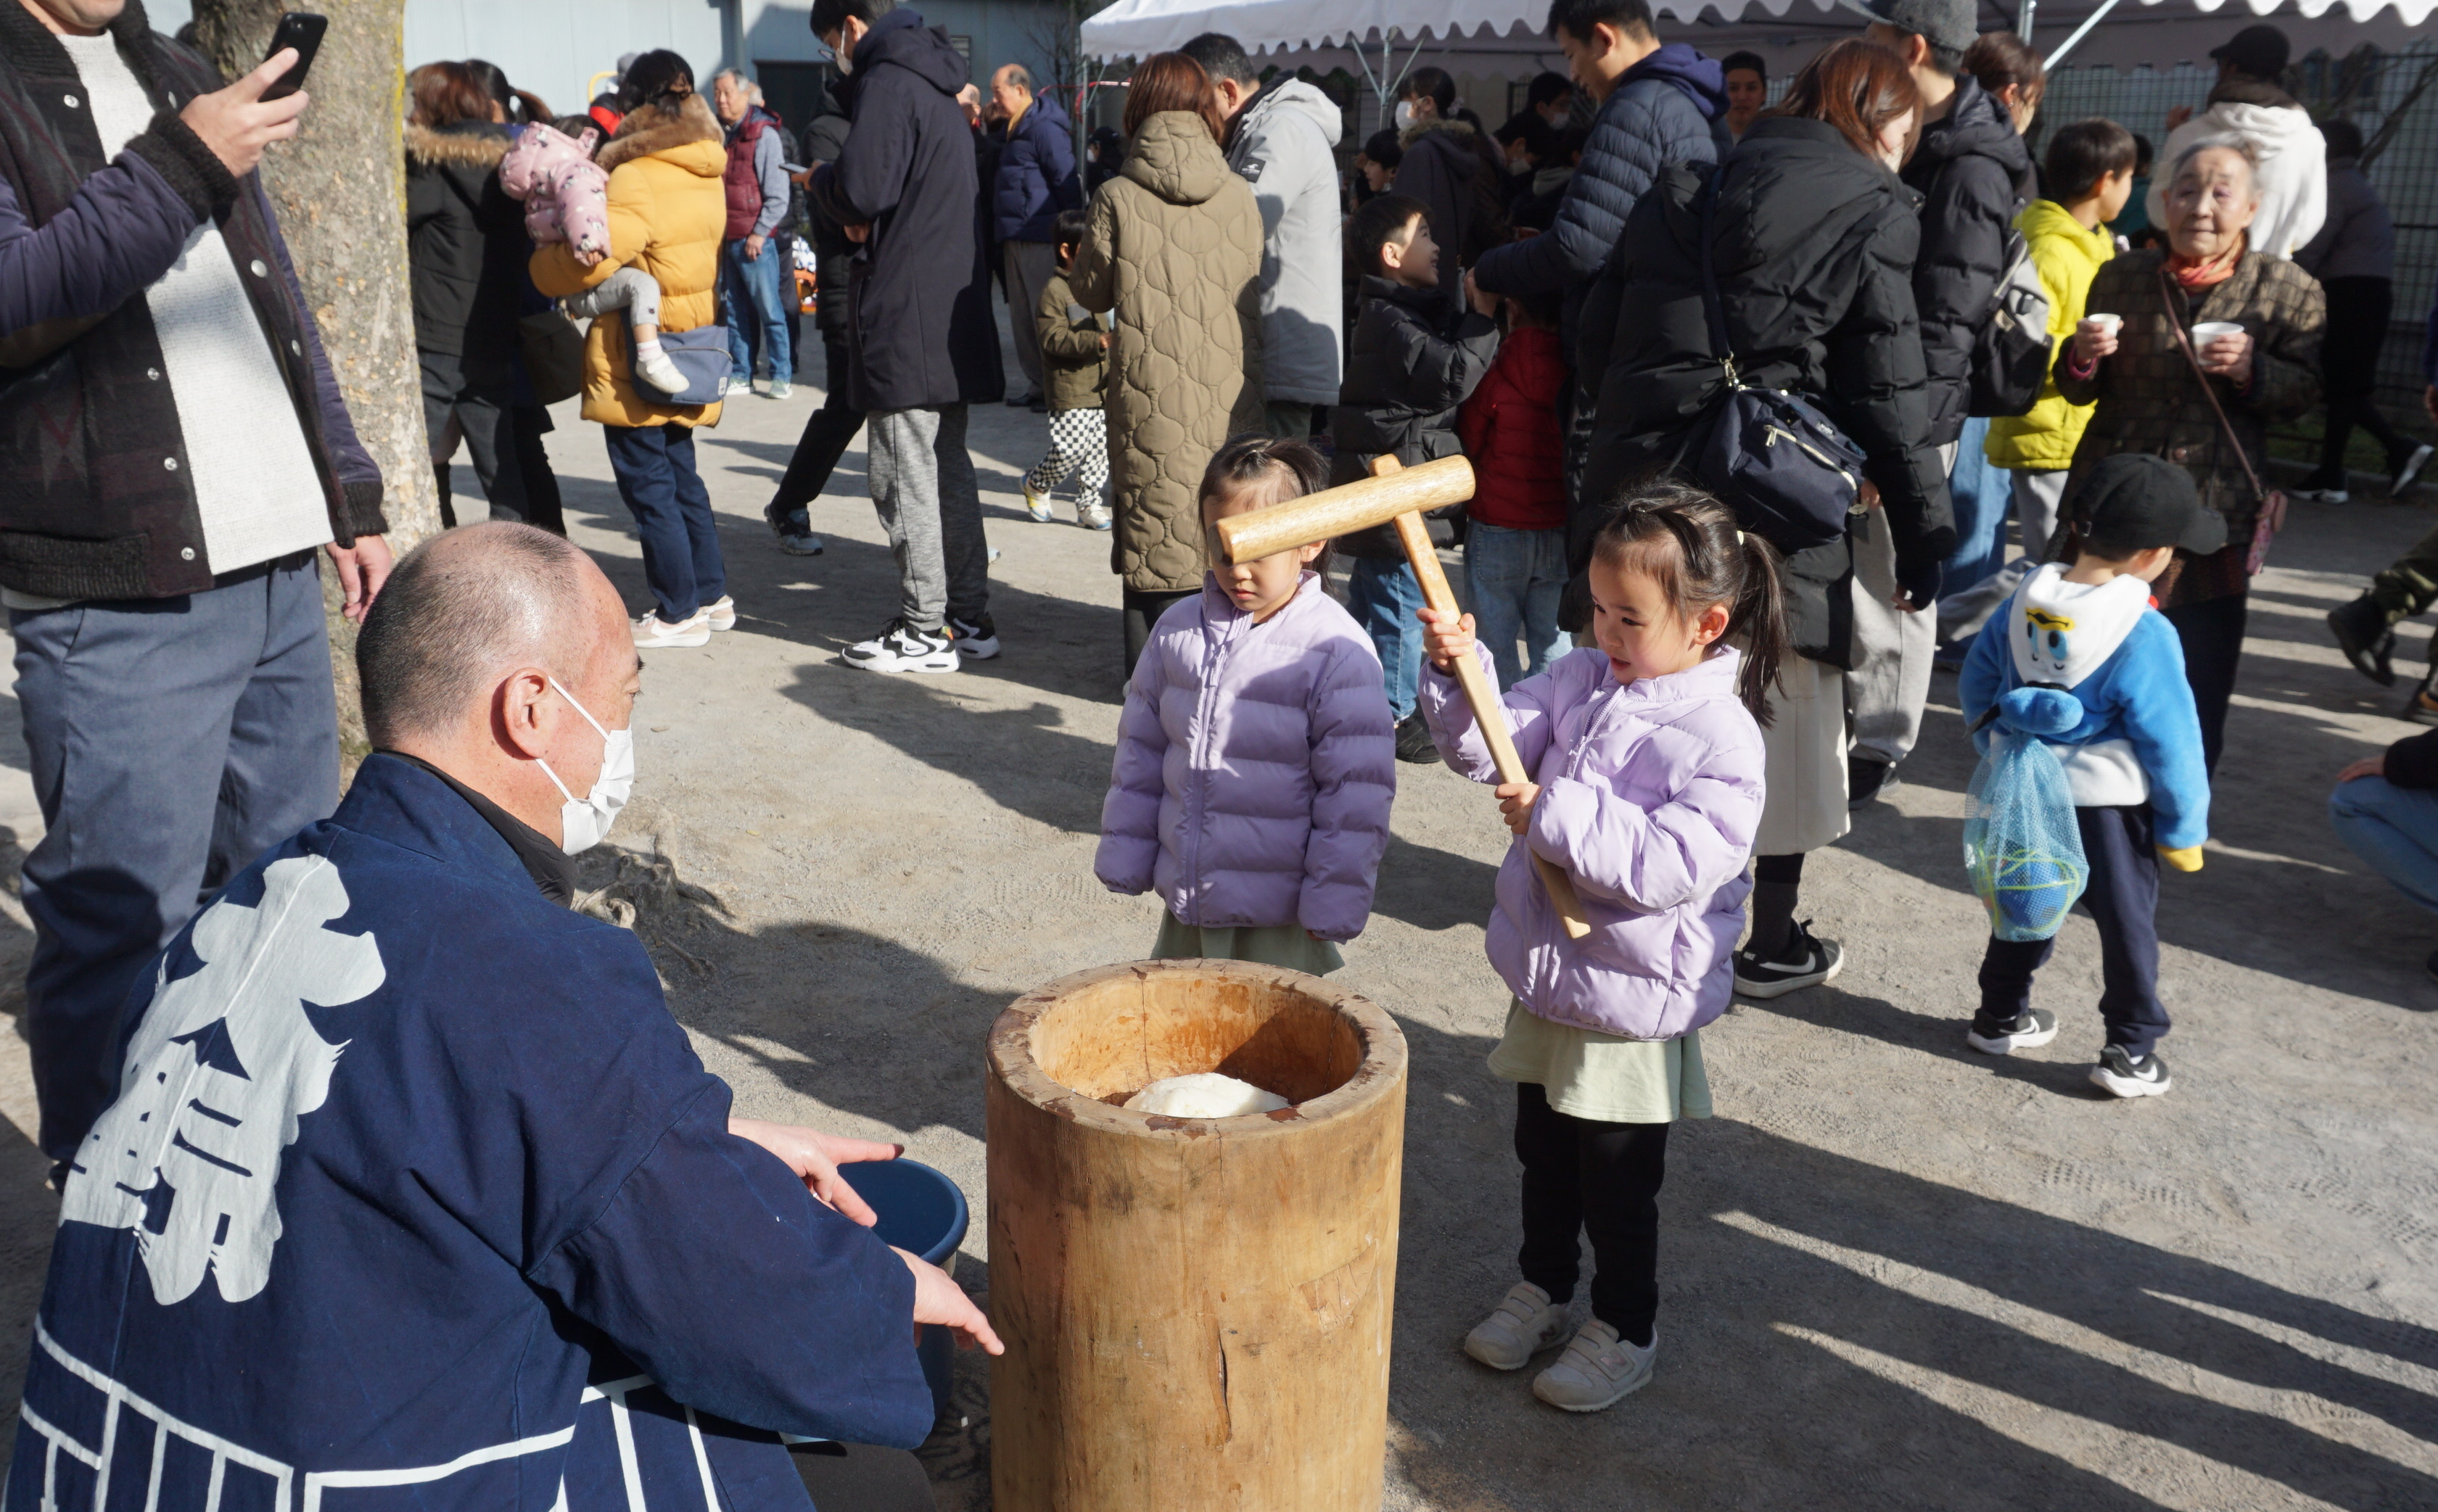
[[1174, 246]]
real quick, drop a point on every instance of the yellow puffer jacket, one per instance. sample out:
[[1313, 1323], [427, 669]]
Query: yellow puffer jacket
[[2067, 257], [667, 211]]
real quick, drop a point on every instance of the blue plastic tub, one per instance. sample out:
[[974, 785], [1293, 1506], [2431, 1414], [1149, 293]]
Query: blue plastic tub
[[923, 1211]]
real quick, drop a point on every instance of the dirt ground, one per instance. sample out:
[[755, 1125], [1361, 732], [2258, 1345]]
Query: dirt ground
[[1894, 1272]]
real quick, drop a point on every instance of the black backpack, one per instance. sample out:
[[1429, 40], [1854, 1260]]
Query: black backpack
[[1769, 455], [2012, 350]]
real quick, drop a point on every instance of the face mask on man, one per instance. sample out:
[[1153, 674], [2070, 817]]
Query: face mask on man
[[584, 822], [1405, 113]]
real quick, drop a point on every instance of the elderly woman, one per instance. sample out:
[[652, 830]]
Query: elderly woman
[[2204, 400]]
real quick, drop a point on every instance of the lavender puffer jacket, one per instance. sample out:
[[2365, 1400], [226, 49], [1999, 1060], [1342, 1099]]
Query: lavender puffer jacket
[[1255, 767], [1649, 797]]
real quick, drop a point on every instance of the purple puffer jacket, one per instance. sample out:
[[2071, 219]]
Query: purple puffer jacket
[[1650, 796], [1255, 767]]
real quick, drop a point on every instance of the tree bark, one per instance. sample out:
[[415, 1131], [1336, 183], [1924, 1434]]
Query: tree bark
[[340, 192]]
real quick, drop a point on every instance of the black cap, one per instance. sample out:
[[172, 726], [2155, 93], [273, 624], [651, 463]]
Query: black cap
[[2257, 52], [2136, 501], [1949, 24]]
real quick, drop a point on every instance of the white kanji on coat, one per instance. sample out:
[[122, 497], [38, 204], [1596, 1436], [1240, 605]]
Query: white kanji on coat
[[221, 1067]]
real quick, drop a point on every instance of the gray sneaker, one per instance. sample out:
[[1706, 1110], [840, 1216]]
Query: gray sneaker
[[1527, 1322], [1598, 1370]]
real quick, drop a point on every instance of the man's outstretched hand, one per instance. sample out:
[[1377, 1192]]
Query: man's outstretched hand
[[815, 1157], [939, 1299], [236, 123]]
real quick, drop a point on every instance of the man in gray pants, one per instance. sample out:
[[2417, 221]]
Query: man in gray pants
[[178, 458]]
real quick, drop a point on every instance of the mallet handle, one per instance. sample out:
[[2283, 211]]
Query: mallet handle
[[1488, 712]]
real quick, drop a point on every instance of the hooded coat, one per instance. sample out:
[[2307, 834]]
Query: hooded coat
[[1035, 177], [1255, 767], [1974, 174], [1418, 355], [1283, 144], [920, 332], [465, 245], [2293, 172], [1650, 795], [1814, 258], [1174, 246], [1662, 111], [1461, 188], [2067, 257], [2113, 703], [666, 213], [2357, 239]]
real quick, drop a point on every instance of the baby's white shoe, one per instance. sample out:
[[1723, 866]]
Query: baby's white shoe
[[1527, 1322], [655, 368], [1598, 1370]]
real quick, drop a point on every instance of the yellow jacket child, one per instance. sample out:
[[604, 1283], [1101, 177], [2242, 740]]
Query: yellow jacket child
[[2067, 256]]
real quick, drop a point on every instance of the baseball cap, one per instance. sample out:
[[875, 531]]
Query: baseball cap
[[1949, 24], [2137, 502], [2257, 51]]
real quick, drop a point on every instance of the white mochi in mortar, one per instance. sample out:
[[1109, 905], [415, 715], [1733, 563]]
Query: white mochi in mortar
[[1203, 1094]]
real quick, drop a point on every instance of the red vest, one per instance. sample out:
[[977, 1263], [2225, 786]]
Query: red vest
[[737, 182]]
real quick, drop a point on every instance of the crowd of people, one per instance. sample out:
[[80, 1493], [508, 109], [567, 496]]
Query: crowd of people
[[1702, 679]]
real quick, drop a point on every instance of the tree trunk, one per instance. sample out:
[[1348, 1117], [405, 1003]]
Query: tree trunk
[[340, 191]]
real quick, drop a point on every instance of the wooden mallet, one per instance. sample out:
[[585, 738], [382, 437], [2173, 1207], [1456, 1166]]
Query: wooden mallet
[[1399, 495]]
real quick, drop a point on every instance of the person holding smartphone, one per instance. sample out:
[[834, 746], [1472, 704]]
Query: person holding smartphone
[[179, 462]]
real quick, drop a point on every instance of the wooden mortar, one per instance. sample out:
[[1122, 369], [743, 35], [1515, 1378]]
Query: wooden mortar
[[1196, 1311]]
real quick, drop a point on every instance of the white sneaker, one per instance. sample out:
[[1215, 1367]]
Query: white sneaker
[[1037, 506], [1093, 517], [653, 634], [2031, 1029], [901, 648], [1526, 1323], [661, 373], [722, 615], [1598, 1370], [2122, 1076], [780, 389]]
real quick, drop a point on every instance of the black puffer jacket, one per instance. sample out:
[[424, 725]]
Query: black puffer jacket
[[824, 139], [466, 246], [1815, 257], [1444, 167], [1415, 360], [1975, 175]]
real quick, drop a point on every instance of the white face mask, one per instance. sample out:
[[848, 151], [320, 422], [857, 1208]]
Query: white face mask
[[584, 822], [1405, 113]]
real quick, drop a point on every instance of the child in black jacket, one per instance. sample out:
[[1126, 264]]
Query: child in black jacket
[[1417, 357]]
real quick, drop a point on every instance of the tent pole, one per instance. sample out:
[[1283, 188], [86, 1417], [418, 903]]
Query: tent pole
[[2023, 20], [2080, 32]]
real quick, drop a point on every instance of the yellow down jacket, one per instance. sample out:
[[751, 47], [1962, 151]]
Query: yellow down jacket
[[667, 211], [2067, 257]]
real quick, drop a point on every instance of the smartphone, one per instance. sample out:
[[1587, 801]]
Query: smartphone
[[301, 30]]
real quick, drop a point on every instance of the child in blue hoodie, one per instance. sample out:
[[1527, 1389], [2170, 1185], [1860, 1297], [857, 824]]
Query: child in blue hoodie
[[2080, 658]]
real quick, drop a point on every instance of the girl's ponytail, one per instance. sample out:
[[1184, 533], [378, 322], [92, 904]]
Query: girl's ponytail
[[1758, 617]]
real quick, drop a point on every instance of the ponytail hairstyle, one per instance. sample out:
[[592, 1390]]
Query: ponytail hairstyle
[[1687, 542], [1290, 469]]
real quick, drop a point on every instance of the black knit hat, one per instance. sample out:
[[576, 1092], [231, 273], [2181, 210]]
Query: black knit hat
[[2255, 52], [2135, 501]]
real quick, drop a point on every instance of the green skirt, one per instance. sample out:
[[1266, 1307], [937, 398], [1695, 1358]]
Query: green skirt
[[1271, 944], [1604, 1078]]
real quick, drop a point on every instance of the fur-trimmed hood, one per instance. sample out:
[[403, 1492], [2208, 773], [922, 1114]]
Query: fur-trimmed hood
[[651, 129], [477, 145], [1462, 131]]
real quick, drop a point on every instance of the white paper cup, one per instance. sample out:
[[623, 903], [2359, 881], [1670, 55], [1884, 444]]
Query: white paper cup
[[2210, 331], [2102, 324]]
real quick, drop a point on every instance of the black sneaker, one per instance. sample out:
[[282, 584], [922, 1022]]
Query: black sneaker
[[2030, 1030], [1414, 743], [1810, 962], [2124, 1077], [2366, 639], [1866, 779], [903, 648], [1018, 401], [977, 638]]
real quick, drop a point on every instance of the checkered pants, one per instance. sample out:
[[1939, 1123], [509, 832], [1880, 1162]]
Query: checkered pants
[[1079, 443]]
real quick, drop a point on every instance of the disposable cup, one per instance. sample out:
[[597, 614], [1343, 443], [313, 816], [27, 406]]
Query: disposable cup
[[2210, 331], [2103, 324]]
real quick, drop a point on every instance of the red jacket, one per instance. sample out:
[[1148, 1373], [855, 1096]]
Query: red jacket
[[1509, 429]]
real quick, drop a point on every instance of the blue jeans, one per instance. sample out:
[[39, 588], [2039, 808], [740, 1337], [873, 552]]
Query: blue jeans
[[1516, 577], [1384, 598], [756, 311], [171, 742], [653, 464], [1982, 496], [2395, 829]]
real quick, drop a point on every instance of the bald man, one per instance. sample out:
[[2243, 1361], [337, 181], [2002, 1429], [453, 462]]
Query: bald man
[[413, 1181], [1036, 180]]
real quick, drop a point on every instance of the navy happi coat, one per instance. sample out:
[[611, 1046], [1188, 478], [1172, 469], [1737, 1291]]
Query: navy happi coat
[[415, 1196]]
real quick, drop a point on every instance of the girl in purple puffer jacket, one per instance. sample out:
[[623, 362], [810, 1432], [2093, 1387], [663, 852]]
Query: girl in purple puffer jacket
[[1256, 759], [1646, 761]]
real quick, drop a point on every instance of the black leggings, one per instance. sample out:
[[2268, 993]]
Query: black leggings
[[827, 433], [1582, 1175], [2212, 633]]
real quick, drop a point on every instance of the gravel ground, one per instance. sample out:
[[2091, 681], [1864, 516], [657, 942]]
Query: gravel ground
[[1894, 1272]]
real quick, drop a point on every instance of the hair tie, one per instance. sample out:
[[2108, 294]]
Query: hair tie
[[1739, 538]]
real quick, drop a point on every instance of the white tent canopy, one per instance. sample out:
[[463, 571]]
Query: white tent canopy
[[1137, 28]]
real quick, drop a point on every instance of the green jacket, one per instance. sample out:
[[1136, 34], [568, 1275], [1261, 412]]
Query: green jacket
[[1075, 348], [2067, 257]]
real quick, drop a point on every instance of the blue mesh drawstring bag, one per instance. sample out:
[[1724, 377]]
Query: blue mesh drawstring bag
[[2022, 847]]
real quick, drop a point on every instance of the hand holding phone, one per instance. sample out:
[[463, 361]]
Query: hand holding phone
[[236, 123], [300, 32]]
